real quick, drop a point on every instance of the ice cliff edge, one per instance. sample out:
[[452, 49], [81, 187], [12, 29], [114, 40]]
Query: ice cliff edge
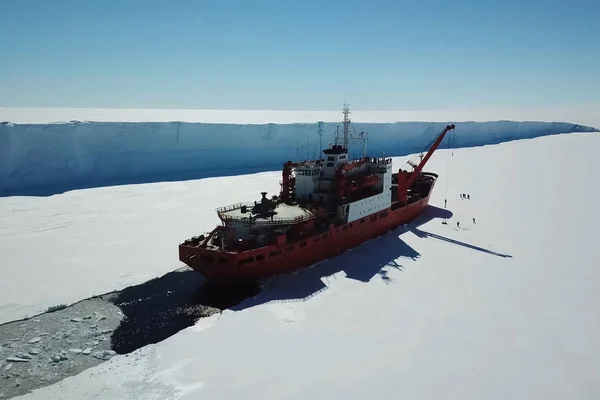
[[44, 159]]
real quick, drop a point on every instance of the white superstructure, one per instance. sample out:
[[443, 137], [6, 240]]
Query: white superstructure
[[319, 181]]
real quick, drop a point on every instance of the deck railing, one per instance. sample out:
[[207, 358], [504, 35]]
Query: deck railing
[[264, 221], [221, 212], [232, 207]]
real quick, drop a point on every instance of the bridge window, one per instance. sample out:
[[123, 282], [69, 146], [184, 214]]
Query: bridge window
[[275, 253], [248, 260], [330, 164], [206, 258], [330, 158]]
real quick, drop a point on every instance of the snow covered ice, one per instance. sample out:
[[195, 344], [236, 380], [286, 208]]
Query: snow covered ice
[[500, 309]]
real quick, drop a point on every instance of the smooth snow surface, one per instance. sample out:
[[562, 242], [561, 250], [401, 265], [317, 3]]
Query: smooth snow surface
[[502, 309], [87, 242], [46, 159]]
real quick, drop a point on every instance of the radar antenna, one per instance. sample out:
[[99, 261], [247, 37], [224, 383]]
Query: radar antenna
[[320, 131], [346, 124], [308, 145], [348, 137]]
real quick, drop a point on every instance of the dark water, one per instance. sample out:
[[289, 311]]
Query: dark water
[[158, 309]]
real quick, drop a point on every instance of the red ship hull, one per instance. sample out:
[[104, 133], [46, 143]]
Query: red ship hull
[[272, 260]]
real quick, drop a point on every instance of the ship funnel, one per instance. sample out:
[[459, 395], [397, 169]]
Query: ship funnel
[[264, 196]]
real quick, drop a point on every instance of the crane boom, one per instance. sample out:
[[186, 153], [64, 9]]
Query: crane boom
[[433, 148], [406, 179]]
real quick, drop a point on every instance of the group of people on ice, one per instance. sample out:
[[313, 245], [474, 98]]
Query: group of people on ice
[[462, 196]]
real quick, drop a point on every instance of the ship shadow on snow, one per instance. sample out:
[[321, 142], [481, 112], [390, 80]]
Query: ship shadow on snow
[[362, 263], [161, 307], [157, 309], [424, 234]]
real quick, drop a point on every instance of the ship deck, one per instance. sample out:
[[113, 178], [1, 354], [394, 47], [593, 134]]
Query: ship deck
[[283, 212]]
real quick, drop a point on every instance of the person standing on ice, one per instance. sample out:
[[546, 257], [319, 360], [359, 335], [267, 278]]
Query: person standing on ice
[[457, 224], [473, 219]]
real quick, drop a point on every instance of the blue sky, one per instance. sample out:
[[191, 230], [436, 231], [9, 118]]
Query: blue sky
[[299, 55]]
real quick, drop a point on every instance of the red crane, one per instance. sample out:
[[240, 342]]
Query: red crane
[[406, 178]]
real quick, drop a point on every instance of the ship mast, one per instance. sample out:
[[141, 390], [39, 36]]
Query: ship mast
[[308, 145], [346, 137], [346, 125], [320, 131]]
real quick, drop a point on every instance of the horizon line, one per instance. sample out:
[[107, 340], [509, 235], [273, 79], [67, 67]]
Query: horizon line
[[583, 115]]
